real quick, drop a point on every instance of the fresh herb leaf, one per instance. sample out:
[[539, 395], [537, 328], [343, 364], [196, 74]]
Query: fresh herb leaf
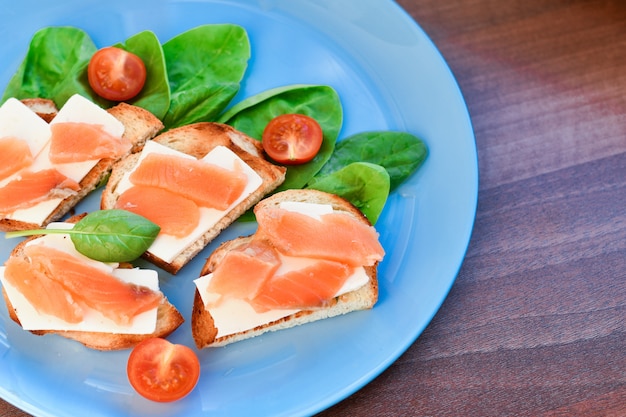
[[55, 66], [363, 184], [205, 66], [400, 153], [155, 95], [107, 235]]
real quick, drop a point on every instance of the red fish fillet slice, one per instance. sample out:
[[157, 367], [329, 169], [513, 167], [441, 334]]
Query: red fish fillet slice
[[176, 215], [337, 236], [15, 155], [206, 184], [242, 271], [93, 287], [310, 287], [77, 142], [45, 295], [34, 187]]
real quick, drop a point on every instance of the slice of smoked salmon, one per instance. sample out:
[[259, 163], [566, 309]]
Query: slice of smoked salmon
[[338, 237], [15, 155], [176, 215], [310, 287], [33, 187], [207, 184], [91, 286], [77, 142], [242, 271], [45, 295]]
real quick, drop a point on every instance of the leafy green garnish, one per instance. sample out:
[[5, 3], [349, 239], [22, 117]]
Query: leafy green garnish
[[155, 94], [367, 166], [106, 235], [400, 153], [205, 66], [317, 101], [365, 185], [190, 78], [55, 66]]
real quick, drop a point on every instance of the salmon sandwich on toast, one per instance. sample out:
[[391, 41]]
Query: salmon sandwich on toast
[[313, 256], [193, 181], [49, 287], [46, 168]]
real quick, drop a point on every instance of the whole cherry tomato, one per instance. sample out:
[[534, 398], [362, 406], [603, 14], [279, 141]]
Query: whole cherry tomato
[[116, 74], [292, 139]]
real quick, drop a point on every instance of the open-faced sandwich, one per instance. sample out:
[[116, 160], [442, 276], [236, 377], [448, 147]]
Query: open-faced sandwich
[[47, 168], [192, 181], [50, 287], [313, 256]]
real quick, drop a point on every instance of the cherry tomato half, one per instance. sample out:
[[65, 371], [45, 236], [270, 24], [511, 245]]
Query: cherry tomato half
[[116, 74], [162, 371], [292, 139]]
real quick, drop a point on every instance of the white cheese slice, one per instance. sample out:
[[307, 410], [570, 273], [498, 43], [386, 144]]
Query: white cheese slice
[[94, 321], [233, 315], [168, 247], [37, 213], [17, 120], [78, 109]]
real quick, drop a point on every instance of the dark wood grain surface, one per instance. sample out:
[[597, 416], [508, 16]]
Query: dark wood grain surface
[[535, 324]]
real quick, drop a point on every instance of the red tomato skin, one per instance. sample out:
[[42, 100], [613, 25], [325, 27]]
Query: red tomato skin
[[162, 371], [116, 74], [292, 139]]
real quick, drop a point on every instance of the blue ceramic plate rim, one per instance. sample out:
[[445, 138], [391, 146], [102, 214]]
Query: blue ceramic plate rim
[[390, 76]]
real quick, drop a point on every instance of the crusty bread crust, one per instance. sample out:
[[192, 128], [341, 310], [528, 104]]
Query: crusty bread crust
[[45, 108], [139, 126], [198, 140], [202, 325], [168, 319]]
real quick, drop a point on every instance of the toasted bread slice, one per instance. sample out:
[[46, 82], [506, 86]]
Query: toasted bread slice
[[198, 140], [202, 324], [45, 108], [139, 126], [168, 319]]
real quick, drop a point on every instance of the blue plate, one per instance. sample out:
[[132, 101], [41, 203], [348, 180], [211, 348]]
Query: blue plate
[[389, 76]]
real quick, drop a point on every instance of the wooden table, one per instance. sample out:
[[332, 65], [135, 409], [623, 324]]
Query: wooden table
[[536, 322]]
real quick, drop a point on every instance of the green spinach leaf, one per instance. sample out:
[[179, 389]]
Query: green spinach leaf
[[317, 101], [55, 66], [107, 235], [155, 95], [205, 66], [400, 153], [363, 184]]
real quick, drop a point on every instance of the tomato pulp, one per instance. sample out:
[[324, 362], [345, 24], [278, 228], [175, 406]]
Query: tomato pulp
[[116, 74], [162, 371], [292, 139]]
